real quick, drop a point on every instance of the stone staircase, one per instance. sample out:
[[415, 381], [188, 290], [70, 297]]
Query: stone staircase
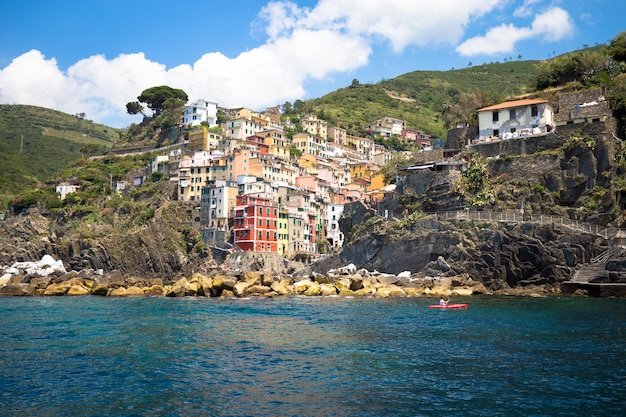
[[588, 272]]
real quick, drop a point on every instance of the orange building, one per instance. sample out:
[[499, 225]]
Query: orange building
[[255, 224]]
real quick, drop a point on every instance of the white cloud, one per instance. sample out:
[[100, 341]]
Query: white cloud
[[553, 25], [526, 9], [303, 44]]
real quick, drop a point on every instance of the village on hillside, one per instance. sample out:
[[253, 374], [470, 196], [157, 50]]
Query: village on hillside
[[252, 194]]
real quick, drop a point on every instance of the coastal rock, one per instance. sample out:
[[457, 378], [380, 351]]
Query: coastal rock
[[302, 285], [179, 289], [154, 291], [135, 291], [57, 289], [240, 288], [77, 290], [282, 287], [388, 291], [17, 290], [327, 290], [313, 289], [258, 289], [224, 282]]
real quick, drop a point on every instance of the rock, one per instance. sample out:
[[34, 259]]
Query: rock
[[258, 289], [462, 292], [179, 289], [387, 279], [41, 282], [56, 289], [240, 288], [224, 282], [282, 287], [327, 290], [77, 290], [135, 291], [388, 291], [251, 277], [312, 289], [349, 269], [154, 291], [117, 292], [17, 290], [301, 286], [404, 275], [356, 282]]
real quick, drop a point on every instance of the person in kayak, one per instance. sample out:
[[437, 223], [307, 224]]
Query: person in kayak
[[444, 303]]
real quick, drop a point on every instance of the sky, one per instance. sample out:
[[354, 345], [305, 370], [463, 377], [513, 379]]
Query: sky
[[94, 56]]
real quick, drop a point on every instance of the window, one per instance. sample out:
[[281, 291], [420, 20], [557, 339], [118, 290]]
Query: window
[[512, 114], [496, 132], [534, 110], [494, 116]]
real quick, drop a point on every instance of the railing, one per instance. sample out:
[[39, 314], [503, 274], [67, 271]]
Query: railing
[[518, 217]]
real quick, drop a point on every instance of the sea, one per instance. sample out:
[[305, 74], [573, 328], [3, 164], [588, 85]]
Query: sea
[[312, 356]]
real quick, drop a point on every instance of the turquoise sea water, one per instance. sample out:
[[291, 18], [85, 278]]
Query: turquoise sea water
[[92, 356]]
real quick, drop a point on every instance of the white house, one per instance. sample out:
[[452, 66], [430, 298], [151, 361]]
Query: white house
[[65, 189], [514, 119], [201, 111], [333, 233]]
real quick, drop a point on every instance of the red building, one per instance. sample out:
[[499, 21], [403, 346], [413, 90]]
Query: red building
[[255, 224]]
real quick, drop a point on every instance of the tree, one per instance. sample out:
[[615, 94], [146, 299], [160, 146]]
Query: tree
[[355, 83], [617, 47], [163, 97], [464, 110], [134, 107]]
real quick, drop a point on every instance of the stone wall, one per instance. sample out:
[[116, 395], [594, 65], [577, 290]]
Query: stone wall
[[457, 138], [588, 104]]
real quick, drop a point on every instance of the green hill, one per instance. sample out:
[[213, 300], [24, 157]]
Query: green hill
[[35, 142], [420, 96]]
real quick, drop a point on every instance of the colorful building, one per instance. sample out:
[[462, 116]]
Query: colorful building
[[255, 224]]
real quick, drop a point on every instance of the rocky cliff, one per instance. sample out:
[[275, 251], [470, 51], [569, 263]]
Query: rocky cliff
[[165, 247]]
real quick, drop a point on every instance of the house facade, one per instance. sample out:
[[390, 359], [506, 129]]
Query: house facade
[[255, 224], [515, 119], [199, 111]]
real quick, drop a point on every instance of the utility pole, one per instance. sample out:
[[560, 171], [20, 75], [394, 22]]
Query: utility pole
[[22, 144]]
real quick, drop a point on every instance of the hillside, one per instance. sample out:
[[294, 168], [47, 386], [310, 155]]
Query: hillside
[[35, 142], [420, 96]]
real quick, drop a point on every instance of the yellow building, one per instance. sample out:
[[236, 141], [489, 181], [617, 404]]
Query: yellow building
[[202, 139], [315, 126], [363, 170]]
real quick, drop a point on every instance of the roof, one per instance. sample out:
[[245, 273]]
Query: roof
[[515, 103]]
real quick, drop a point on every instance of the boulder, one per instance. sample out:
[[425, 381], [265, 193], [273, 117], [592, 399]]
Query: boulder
[[313, 289], [302, 285], [117, 292], [258, 289], [240, 288], [224, 282], [77, 290], [179, 289], [56, 289], [387, 279], [251, 277], [282, 287], [18, 290], [462, 292], [390, 291], [356, 282], [135, 291], [327, 290], [154, 291]]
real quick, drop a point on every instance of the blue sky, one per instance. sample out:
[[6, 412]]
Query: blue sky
[[94, 56]]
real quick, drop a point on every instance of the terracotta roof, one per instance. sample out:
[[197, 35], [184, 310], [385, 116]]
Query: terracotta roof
[[516, 103]]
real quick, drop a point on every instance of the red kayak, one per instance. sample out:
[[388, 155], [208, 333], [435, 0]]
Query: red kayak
[[449, 306]]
